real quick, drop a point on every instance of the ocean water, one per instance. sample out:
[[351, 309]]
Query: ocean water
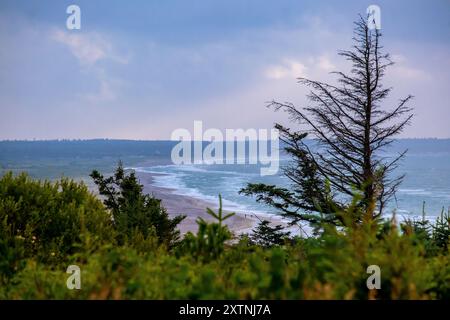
[[426, 165], [425, 188]]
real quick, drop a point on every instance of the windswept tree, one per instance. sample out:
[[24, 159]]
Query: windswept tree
[[351, 125]]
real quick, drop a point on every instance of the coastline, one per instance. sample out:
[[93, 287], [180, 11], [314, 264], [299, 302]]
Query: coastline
[[194, 208]]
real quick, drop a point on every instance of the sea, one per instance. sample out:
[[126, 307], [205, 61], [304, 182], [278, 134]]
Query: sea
[[425, 189]]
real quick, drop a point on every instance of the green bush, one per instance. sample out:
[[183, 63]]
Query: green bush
[[210, 239], [209, 264], [46, 221]]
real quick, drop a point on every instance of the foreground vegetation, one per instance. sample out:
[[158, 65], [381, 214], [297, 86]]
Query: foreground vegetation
[[128, 248]]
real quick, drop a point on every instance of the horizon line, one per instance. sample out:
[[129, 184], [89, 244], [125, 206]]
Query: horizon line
[[168, 140]]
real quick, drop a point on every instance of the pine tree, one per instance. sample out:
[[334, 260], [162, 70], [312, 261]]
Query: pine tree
[[350, 126], [132, 210]]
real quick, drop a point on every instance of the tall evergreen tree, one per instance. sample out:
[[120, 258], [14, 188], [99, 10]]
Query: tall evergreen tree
[[351, 127]]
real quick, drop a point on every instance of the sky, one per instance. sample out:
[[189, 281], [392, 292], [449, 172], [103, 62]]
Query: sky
[[142, 69]]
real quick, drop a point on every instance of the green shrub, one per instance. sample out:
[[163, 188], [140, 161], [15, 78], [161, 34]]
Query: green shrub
[[209, 241], [205, 265], [47, 220]]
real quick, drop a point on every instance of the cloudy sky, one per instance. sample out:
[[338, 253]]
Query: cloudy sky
[[141, 69]]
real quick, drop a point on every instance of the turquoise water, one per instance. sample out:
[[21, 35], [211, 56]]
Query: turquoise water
[[427, 169]]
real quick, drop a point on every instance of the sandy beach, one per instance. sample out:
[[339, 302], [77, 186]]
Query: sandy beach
[[193, 208]]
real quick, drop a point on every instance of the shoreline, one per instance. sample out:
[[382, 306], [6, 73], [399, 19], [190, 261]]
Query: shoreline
[[195, 208]]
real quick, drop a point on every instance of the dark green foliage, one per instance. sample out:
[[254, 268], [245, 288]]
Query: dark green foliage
[[309, 194], [441, 230], [132, 210], [435, 236], [266, 235]]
